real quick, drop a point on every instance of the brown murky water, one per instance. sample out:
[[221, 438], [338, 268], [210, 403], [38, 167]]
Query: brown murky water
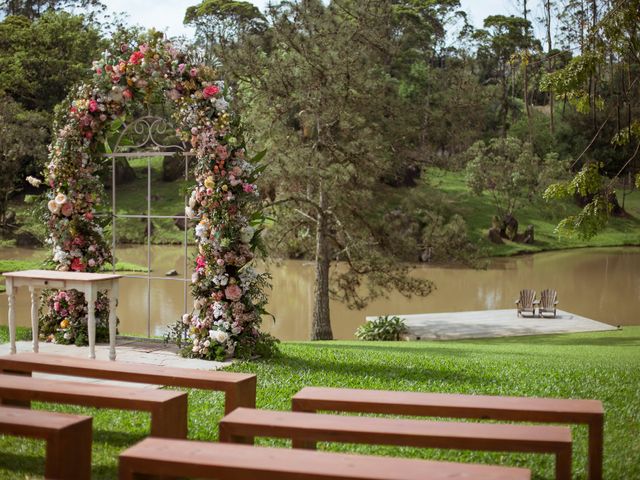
[[602, 284]]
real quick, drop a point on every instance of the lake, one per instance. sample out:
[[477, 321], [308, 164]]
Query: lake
[[602, 284]]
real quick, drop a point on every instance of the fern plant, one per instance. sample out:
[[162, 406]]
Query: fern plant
[[386, 328]]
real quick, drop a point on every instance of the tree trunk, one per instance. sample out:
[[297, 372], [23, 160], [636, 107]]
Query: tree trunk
[[321, 322], [547, 9]]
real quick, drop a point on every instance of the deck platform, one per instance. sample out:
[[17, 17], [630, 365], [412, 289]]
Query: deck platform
[[494, 323]]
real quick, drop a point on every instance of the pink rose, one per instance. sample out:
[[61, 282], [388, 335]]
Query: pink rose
[[248, 188], [77, 265], [88, 134], [136, 58], [193, 72], [210, 91], [67, 209], [181, 68], [88, 216], [233, 292], [127, 94], [93, 105]]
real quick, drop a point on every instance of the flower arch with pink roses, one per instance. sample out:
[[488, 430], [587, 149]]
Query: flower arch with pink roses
[[228, 292]]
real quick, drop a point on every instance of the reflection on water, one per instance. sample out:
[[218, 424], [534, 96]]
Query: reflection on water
[[603, 284]]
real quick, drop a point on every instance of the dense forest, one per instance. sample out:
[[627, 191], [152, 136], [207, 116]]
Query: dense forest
[[364, 108]]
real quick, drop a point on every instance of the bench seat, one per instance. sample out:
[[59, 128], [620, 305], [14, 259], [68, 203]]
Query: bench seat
[[168, 408], [590, 412], [305, 429], [68, 439], [184, 458], [239, 388]]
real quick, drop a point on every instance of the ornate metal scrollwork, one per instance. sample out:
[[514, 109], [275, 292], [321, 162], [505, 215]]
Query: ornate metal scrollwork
[[149, 133]]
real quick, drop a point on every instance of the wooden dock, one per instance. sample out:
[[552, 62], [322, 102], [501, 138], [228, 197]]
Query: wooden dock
[[494, 323]]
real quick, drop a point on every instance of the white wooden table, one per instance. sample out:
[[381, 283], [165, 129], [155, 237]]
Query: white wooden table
[[87, 283]]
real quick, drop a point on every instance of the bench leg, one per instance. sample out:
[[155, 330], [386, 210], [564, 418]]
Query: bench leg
[[596, 447], [225, 436], [16, 403], [170, 420], [563, 464], [69, 453], [241, 395]]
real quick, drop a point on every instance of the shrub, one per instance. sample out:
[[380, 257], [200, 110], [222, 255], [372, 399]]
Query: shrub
[[382, 328]]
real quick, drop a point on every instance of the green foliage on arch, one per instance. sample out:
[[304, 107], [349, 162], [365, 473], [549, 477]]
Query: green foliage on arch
[[225, 203]]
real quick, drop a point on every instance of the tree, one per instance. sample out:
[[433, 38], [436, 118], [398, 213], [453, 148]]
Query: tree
[[22, 142], [319, 97], [610, 58], [500, 40], [41, 59], [221, 23], [33, 9], [507, 169]]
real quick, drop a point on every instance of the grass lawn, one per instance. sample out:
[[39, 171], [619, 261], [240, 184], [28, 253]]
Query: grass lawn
[[452, 190], [604, 366]]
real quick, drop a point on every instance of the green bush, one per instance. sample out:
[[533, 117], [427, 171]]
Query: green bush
[[382, 328]]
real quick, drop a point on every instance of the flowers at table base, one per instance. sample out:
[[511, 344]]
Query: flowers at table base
[[228, 292], [63, 317]]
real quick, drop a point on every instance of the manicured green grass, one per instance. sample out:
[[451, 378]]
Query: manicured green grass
[[604, 366], [451, 189]]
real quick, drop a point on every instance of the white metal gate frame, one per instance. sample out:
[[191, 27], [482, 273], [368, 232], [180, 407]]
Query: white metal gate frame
[[146, 127]]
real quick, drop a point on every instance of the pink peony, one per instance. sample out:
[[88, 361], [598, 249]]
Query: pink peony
[[233, 292], [77, 265], [210, 91]]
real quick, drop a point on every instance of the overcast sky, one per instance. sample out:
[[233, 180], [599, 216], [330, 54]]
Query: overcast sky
[[167, 15]]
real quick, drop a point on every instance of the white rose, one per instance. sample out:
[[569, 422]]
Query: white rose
[[221, 336], [192, 201], [246, 234], [185, 319], [53, 206], [61, 199], [188, 211], [207, 343]]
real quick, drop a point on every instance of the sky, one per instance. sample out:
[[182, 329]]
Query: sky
[[167, 15]]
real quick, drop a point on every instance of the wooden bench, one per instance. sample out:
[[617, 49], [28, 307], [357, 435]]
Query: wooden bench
[[184, 458], [68, 439], [590, 412], [168, 408], [243, 424], [239, 388]]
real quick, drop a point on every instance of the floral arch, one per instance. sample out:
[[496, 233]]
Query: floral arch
[[228, 293]]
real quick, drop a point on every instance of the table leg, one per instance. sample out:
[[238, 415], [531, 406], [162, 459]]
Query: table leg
[[34, 318], [113, 319], [12, 313], [91, 295]]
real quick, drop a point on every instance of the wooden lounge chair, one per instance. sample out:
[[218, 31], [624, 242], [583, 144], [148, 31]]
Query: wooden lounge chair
[[527, 302], [548, 302]]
